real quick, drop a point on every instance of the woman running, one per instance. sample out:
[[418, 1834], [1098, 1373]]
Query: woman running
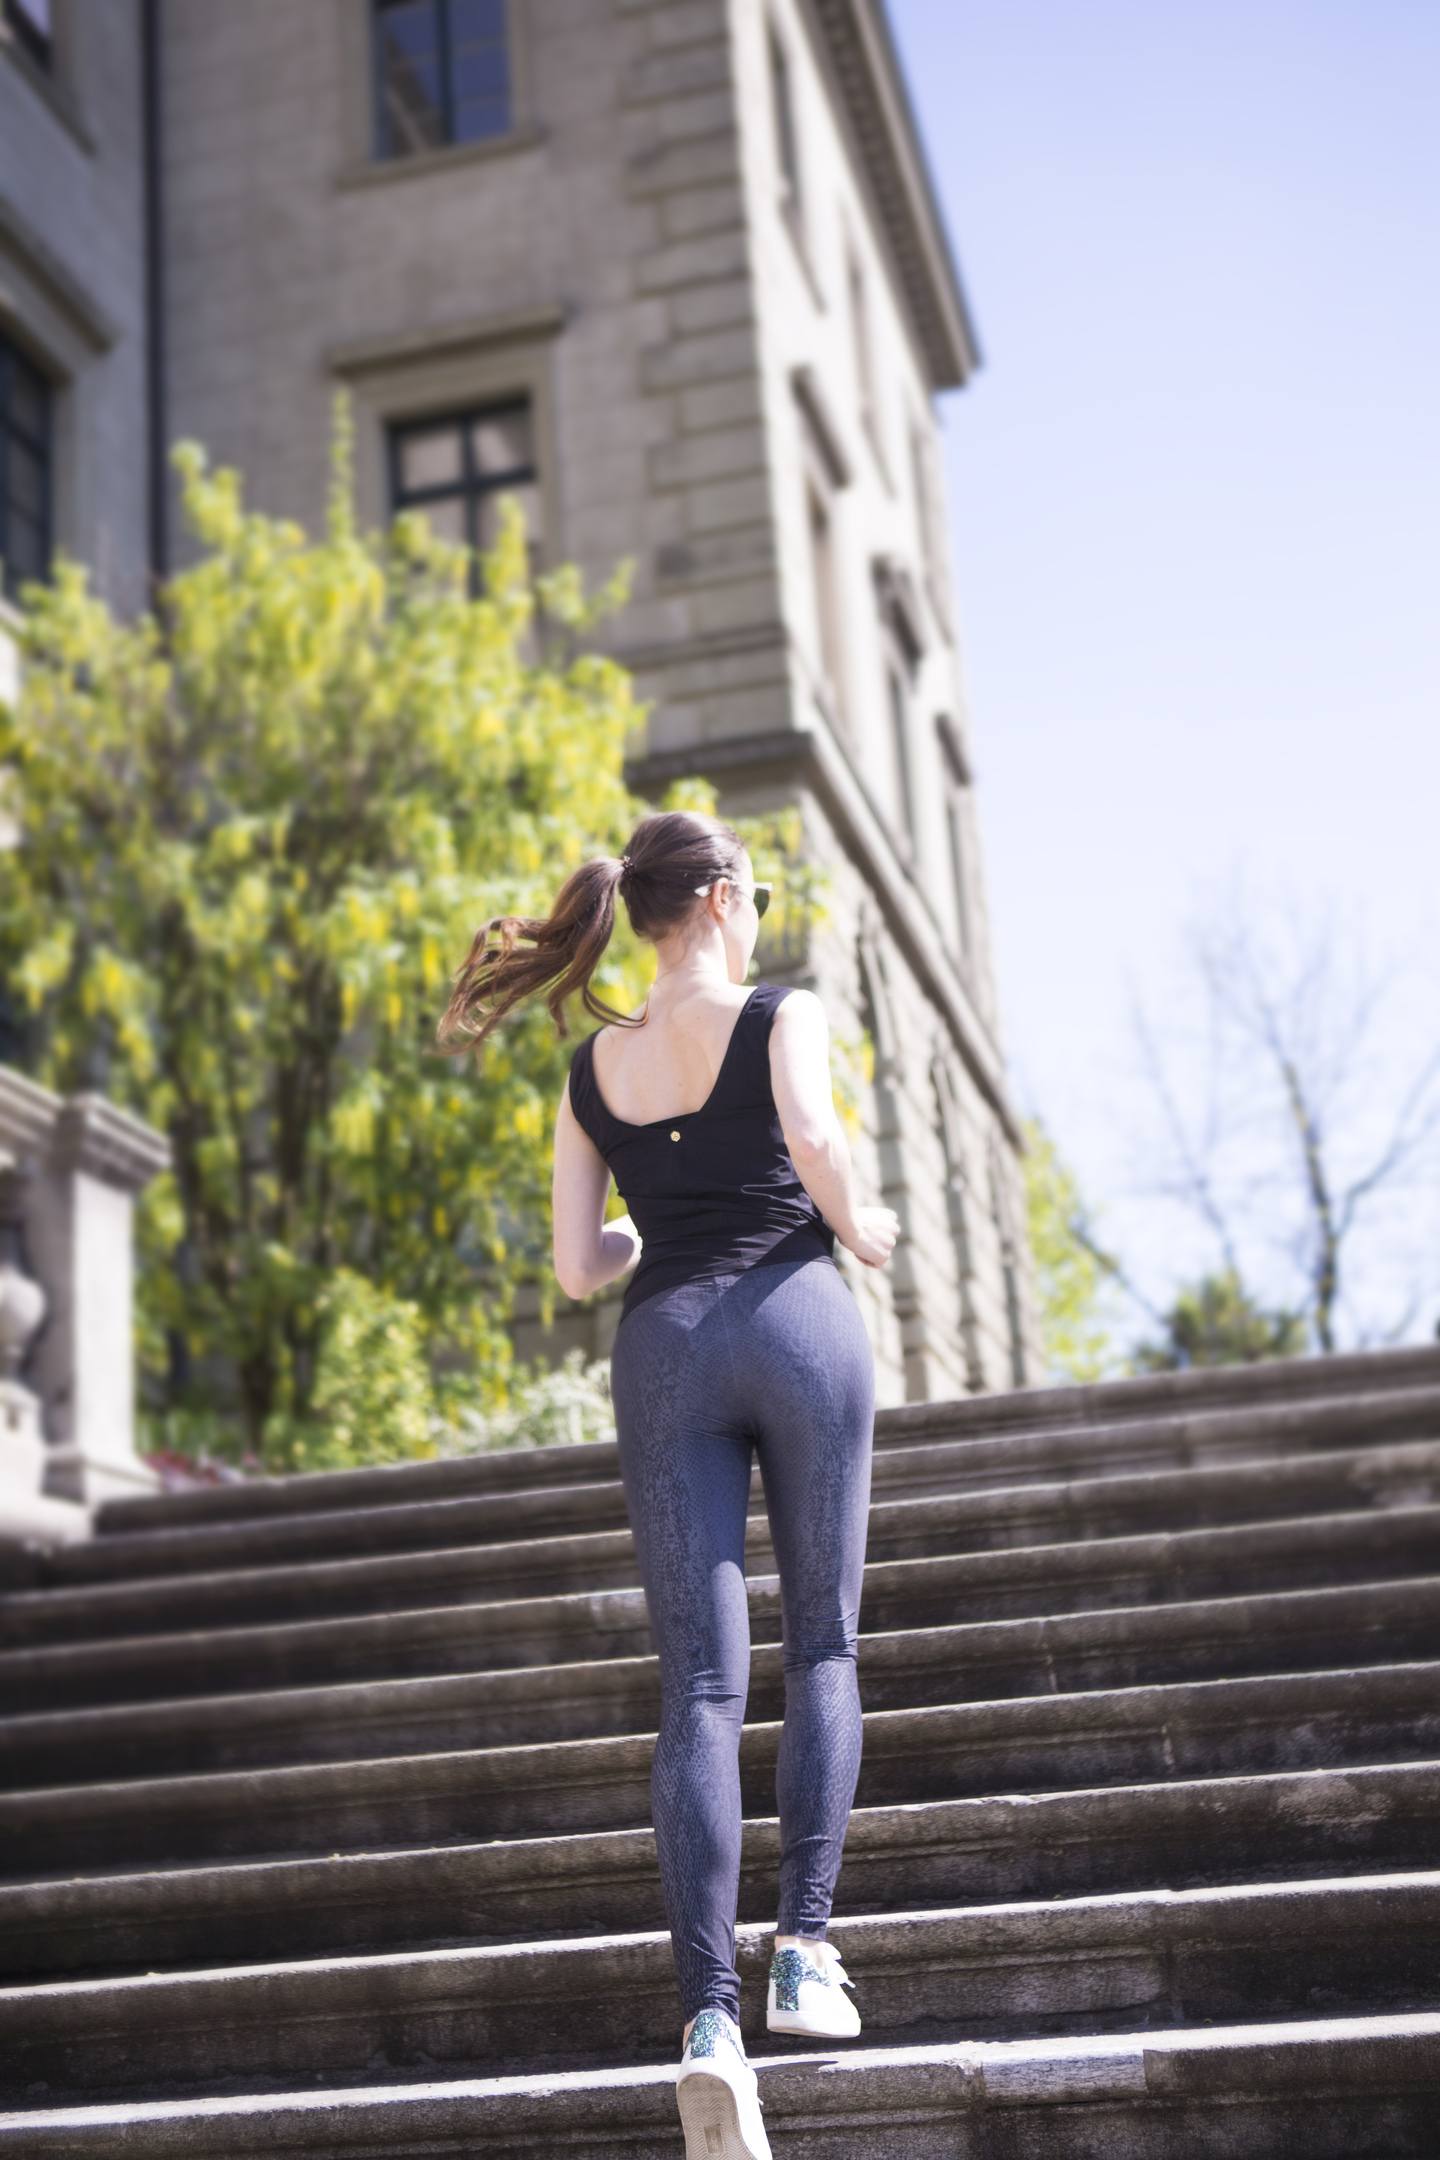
[[737, 1332]]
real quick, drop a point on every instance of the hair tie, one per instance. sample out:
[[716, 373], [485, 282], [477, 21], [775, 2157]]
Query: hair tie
[[625, 863]]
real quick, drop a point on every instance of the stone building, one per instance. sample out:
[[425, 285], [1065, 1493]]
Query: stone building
[[674, 271]]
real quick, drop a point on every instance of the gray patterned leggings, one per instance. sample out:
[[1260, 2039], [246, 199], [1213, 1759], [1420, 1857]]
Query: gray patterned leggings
[[775, 1357]]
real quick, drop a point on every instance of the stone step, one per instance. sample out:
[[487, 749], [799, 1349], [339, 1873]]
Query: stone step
[[1204, 1728], [592, 1497], [1186, 1834], [1125, 1646], [509, 1543], [1183, 1416], [384, 1641], [1341, 1946], [1324, 2089], [1090, 1509]]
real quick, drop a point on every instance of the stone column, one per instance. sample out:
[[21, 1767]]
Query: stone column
[[85, 1160]]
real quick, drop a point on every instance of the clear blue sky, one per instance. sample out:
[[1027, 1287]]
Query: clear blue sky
[[1195, 504]]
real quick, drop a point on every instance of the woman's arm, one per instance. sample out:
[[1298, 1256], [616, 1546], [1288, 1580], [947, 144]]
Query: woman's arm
[[800, 1080], [587, 1251]]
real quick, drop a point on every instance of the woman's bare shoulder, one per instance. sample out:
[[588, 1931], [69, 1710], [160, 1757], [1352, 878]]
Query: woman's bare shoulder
[[805, 1007]]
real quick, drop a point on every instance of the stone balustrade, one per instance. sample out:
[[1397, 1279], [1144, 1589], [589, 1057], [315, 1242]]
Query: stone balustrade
[[70, 1167]]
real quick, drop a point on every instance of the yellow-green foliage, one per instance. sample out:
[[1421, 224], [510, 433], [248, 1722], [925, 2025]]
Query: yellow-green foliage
[[256, 836], [1073, 1283]]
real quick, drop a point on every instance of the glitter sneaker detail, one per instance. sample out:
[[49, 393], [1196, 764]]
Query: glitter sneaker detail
[[710, 2026], [789, 1967]]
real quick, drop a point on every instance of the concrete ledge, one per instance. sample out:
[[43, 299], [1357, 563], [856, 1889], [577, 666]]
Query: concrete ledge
[[357, 1619], [592, 1697], [1027, 1534], [1178, 1835], [1119, 1736], [588, 1529], [1285, 2059], [1296, 1404]]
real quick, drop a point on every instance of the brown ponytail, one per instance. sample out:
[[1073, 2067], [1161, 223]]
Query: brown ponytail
[[666, 857]]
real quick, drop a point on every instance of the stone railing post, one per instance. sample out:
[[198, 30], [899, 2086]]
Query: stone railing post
[[27, 1513], [71, 1234]]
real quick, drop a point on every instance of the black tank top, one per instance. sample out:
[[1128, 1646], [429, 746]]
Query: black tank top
[[713, 1190]]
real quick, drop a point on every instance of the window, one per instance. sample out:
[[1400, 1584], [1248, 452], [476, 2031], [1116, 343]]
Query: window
[[25, 460], [782, 103], [455, 469], [30, 22], [860, 336], [825, 474], [957, 870], [927, 504], [902, 650], [827, 599], [955, 769], [442, 73], [863, 353], [900, 734]]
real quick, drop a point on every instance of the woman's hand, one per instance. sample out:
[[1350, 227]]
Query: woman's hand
[[872, 1235]]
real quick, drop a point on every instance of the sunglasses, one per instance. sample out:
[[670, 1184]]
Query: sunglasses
[[760, 894]]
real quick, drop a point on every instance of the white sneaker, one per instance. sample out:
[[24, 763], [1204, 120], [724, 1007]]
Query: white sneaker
[[804, 1995], [718, 2095]]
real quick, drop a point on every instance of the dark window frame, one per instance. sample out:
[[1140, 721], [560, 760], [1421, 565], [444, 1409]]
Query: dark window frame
[[955, 834], [787, 137], [37, 44], [14, 362], [825, 587], [382, 147], [897, 695], [473, 486]]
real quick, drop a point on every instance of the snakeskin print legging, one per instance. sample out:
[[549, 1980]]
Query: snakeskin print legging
[[776, 1358]]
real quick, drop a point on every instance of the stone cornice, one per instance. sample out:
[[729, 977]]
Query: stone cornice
[[95, 1135], [522, 326], [61, 289], [867, 75], [82, 1132], [28, 1112]]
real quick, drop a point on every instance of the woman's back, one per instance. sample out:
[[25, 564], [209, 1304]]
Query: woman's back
[[713, 1189], [674, 1057]]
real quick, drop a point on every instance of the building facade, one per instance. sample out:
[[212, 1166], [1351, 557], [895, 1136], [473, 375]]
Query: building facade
[[673, 271]]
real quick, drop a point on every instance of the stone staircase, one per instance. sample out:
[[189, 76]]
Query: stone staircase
[[324, 1825]]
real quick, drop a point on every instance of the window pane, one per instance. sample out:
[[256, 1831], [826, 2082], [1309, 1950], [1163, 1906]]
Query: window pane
[[24, 549], [25, 480], [447, 516], [430, 459], [411, 100], [477, 118], [784, 114], [477, 19], [27, 398], [409, 28], [502, 441], [528, 497], [481, 71], [31, 22]]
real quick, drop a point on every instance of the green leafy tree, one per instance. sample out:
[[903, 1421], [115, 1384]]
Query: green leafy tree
[[1217, 1322], [1074, 1276], [256, 831]]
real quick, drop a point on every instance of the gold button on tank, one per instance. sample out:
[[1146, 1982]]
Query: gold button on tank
[[674, 1135]]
